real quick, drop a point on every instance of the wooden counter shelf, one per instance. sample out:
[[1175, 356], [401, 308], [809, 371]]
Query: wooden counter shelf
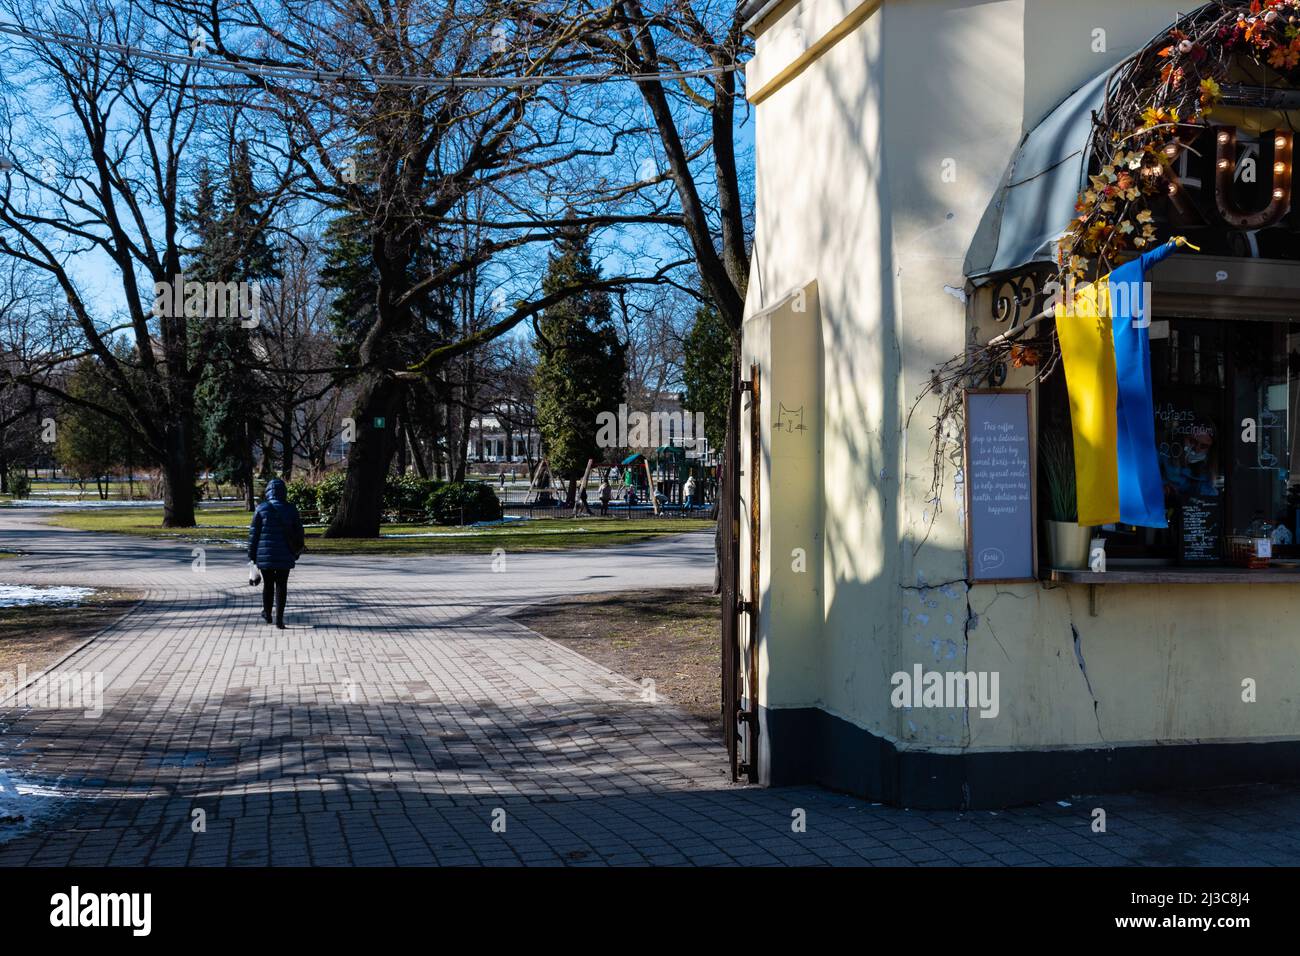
[[1172, 575], [1161, 575]]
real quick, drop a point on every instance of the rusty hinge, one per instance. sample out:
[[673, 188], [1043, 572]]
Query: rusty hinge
[[744, 607], [746, 384]]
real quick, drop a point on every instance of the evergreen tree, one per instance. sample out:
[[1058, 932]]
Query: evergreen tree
[[89, 446], [203, 219], [581, 363], [233, 246], [706, 372], [349, 270]]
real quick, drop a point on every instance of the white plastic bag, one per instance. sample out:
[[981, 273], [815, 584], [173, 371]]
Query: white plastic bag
[[254, 575]]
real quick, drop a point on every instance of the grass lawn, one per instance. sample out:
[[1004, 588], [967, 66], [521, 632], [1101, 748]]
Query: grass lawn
[[544, 534], [38, 635], [670, 636]]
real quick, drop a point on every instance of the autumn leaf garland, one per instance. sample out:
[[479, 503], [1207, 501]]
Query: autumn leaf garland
[[1158, 103]]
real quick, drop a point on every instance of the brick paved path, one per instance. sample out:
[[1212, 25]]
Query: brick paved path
[[401, 714]]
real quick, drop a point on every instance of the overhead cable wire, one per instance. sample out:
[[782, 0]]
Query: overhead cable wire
[[270, 71]]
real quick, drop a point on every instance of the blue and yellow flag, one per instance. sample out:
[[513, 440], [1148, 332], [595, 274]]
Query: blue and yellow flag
[[1106, 350]]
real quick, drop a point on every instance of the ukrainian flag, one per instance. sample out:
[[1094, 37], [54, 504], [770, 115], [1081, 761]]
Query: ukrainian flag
[[1106, 351]]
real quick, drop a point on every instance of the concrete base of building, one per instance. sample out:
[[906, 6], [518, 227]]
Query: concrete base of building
[[808, 745]]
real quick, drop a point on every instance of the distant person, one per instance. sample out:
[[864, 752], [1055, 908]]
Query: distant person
[[275, 541], [688, 492], [582, 504], [605, 494]]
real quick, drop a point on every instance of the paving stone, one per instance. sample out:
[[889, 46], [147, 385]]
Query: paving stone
[[402, 709]]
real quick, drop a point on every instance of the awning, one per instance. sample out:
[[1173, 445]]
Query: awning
[[1036, 205]]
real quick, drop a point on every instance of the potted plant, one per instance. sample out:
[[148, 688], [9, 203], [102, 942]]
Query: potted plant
[[1067, 540]]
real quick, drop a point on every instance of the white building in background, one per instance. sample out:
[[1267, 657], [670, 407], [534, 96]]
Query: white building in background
[[664, 422], [489, 442]]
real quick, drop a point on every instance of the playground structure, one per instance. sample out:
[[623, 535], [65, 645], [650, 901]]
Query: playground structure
[[639, 483]]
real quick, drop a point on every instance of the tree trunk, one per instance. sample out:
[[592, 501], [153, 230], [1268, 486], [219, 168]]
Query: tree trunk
[[246, 466], [420, 468], [728, 467], [399, 426], [462, 444], [178, 468], [286, 444], [361, 507]]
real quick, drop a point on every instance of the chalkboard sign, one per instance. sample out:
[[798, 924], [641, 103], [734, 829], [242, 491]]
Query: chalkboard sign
[[1200, 530], [1001, 542]]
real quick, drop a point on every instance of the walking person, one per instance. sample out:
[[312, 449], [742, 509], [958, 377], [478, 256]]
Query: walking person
[[275, 541], [688, 492], [605, 493]]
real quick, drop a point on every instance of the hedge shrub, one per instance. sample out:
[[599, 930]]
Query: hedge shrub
[[408, 493], [329, 492], [463, 502], [301, 494], [20, 485]]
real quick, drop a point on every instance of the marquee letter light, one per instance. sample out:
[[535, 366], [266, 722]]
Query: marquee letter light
[[1225, 165]]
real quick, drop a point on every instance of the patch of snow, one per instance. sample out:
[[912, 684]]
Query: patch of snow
[[464, 534], [21, 805], [21, 595], [89, 503]]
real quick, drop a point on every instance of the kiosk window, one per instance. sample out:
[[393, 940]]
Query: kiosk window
[[1226, 396]]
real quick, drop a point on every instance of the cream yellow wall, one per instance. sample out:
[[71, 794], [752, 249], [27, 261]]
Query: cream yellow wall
[[855, 129], [785, 342]]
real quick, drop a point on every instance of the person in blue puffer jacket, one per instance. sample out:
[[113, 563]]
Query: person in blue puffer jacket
[[275, 541]]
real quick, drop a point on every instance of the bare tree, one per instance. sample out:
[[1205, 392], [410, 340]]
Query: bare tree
[[98, 143], [405, 158], [298, 369]]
